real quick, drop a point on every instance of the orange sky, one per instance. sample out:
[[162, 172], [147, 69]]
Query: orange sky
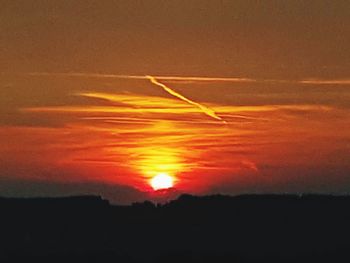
[[256, 97]]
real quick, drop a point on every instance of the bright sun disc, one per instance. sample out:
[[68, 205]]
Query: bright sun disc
[[162, 181]]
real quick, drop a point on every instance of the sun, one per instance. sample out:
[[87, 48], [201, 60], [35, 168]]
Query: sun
[[162, 181]]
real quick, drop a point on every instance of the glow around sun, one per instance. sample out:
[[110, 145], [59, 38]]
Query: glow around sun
[[162, 181]]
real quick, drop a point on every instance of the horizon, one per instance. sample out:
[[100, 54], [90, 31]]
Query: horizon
[[162, 197], [184, 198]]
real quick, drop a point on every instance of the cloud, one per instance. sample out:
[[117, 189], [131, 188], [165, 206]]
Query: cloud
[[136, 103], [119, 138]]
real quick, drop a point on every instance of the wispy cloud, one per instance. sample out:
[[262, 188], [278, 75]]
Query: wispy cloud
[[125, 138], [141, 104]]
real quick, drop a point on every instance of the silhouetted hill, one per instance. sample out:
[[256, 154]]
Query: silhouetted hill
[[78, 201], [248, 228]]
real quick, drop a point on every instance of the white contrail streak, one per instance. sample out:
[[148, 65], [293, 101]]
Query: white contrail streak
[[203, 108], [193, 78], [339, 82], [173, 78], [326, 81]]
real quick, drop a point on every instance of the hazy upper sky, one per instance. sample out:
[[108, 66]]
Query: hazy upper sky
[[256, 96]]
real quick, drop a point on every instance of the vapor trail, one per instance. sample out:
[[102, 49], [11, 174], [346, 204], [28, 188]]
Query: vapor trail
[[169, 78], [191, 78], [203, 108]]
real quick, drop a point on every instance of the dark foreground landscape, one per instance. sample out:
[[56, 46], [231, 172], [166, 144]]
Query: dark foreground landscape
[[261, 228]]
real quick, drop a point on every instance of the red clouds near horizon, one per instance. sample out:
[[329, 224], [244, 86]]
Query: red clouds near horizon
[[125, 138]]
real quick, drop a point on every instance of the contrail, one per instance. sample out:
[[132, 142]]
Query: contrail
[[191, 78], [326, 81], [203, 108], [171, 78]]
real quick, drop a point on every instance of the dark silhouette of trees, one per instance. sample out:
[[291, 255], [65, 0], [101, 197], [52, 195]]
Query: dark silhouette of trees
[[248, 228]]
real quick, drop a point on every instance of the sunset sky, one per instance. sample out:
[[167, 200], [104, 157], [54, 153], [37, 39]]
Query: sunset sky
[[232, 97]]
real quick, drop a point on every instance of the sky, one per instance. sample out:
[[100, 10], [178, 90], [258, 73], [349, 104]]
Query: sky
[[231, 97]]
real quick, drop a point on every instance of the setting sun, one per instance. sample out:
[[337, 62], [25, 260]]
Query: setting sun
[[162, 181]]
